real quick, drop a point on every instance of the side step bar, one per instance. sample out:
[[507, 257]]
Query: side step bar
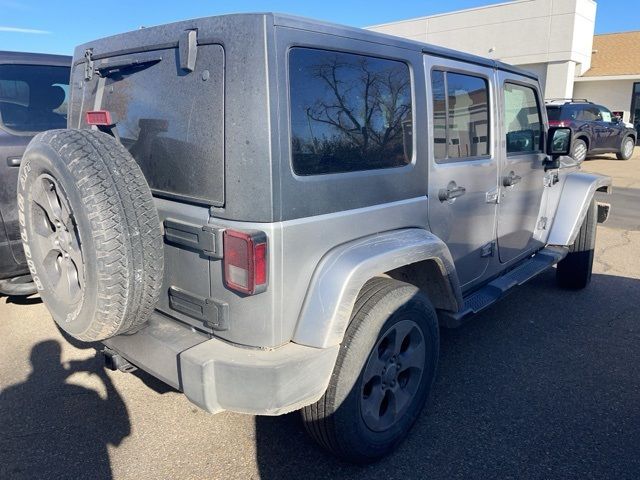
[[498, 288]]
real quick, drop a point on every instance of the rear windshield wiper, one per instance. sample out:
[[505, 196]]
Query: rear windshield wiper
[[119, 67]]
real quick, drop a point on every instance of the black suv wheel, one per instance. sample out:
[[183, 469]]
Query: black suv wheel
[[626, 149], [383, 374]]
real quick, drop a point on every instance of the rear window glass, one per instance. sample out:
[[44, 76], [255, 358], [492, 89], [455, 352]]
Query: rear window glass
[[348, 112], [33, 98], [554, 113]]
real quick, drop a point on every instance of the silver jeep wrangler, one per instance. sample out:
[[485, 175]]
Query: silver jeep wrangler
[[270, 213]]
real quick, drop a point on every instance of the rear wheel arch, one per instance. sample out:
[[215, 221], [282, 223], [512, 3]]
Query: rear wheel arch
[[585, 139], [343, 274], [429, 277]]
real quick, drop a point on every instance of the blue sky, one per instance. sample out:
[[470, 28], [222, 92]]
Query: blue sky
[[57, 26]]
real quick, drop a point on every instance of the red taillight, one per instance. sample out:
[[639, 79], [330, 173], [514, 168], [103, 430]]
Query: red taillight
[[245, 261], [99, 117], [557, 123]]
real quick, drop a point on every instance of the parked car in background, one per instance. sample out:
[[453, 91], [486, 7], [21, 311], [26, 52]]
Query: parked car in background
[[595, 129], [33, 98]]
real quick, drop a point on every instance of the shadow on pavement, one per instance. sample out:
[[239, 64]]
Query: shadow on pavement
[[544, 384], [53, 429], [149, 380], [30, 300]]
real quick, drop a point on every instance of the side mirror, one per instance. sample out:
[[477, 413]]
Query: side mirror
[[559, 141]]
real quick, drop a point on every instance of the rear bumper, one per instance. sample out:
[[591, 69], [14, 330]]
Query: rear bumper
[[218, 376]]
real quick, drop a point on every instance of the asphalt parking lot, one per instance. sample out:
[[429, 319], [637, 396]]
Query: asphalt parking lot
[[544, 385]]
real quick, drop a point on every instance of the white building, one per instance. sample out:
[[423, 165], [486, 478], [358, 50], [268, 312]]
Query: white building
[[554, 38]]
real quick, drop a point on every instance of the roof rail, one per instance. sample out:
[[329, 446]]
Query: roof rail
[[568, 100]]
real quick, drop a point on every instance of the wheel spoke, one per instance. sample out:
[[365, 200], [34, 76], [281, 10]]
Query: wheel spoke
[[67, 287], [401, 398], [412, 358], [46, 197], [371, 404]]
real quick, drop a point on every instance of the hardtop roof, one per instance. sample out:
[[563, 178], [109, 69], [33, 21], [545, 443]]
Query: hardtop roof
[[207, 27], [28, 58]]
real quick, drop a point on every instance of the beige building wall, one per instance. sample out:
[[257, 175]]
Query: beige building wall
[[614, 94], [553, 37]]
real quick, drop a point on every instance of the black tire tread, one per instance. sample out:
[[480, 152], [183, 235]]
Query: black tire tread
[[574, 271]]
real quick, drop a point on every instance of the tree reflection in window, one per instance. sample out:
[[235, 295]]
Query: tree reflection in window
[[348, 112]]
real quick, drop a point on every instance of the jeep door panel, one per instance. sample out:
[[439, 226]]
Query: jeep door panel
[[11, 150], [521, 179], [462, 156]]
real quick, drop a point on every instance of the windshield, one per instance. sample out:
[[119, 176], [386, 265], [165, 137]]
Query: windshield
[[33, 98]]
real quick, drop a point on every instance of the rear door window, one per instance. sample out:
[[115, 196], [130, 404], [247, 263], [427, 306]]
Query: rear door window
[[348, 112], [460, 116], [588, 114], [523, 125], [33, 98]]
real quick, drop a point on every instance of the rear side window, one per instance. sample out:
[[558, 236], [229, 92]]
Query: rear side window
[[348, 112], [588, 114], [460, 116], [523, 124], [33, 98]]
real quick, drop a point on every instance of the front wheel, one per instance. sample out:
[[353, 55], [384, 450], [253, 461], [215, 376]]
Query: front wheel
[[626, 149], [574, 271], [383, 374], [579, 150]]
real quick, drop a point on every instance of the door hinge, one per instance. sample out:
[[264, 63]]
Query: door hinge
[[550, 179], [542, 223], [213, 313], [488, 249], [88, 64], [188, 50], [206, 239], [493, 196]]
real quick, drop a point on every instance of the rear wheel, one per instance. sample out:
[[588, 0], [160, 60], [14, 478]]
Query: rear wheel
[[626, 149], [579, 150], [382, 376], [574, 271]]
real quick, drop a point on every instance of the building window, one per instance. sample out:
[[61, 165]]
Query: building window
[[635, 107], [460, 116], [348, 112], [523, 125]]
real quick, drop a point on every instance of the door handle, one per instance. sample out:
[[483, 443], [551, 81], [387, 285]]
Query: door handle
[[450, 193], [511, 179], [14, 161]]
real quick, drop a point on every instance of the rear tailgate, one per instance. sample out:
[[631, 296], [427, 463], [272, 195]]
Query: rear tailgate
[[159, 108]]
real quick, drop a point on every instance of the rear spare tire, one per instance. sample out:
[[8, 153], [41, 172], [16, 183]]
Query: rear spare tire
[[91, 233]]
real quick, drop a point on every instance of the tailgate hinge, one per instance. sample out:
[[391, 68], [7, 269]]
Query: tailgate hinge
[[188, 50], [206, 239], [88, 64]]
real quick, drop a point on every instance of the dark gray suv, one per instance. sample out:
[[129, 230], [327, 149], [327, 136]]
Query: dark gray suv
[[33, 98]]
